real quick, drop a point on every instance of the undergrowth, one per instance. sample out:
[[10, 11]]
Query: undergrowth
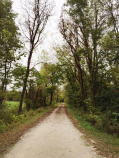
[[10, 119], [107, 143], [13, 128]]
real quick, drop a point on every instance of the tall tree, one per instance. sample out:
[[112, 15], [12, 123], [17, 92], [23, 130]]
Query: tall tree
[[37, 15], [9, 42], [70, 34], [83, 28]]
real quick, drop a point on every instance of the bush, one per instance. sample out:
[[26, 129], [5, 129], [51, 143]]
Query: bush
[[31, 113], [40, 110], [9, 117], [108, 99], [93, 119], [104, 122], [99, 125], [113, 129], [2, 126]]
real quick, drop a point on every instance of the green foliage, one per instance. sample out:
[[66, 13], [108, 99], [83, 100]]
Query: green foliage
[[2, 95], [10, 119], [12, 95], [93, 119], [106, 142], [40, 110], [9, 42], [72, 94], [89, 55], [51, 89], [107, 99], [19, 73]]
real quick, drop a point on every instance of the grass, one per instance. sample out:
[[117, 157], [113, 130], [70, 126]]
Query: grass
[[11, 105], [9, 117], [106, 143]]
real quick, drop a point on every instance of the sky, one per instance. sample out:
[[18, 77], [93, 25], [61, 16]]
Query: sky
[[51, 35]]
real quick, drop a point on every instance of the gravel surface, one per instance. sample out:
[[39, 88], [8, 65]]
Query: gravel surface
[[55, 137]]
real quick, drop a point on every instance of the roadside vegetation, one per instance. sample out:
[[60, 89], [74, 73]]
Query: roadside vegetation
[[12, 125], [9, 118], [107, 144]]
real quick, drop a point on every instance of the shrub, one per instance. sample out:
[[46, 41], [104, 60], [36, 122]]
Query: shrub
[[40, 110], [93, 118], [31, 113], [99, 125], [108, 99], [2, 126]]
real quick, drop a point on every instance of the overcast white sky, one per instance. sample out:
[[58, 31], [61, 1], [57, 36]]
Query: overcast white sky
[[52, 34]]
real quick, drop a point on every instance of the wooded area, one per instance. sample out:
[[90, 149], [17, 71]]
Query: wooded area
[[90, 60], [87, 63]]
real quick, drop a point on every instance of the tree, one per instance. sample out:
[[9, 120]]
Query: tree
[[90, 32], [51, 90], [71, 77], [9, 42], [37, 15], [18, 73], [83, 28], [70, 34], [54, 77]]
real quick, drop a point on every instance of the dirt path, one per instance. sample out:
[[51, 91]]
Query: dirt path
[[55, 137]]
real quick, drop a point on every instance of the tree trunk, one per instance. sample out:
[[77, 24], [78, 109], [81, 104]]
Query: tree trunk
[[44, 101], [80, 75], [29, 98], [93, 89], [57, 99], [25, 80], [5, 77], [40, 97], [51, 98], [34, 105], [83, 96], [27, 104]]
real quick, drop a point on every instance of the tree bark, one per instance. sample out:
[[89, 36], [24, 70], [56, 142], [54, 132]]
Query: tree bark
[[81, 82], [44, 101], [5, 77], [27, 104], [34, 105], [51, 98], [25, 80]]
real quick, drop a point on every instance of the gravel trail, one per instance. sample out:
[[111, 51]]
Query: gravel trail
[[55, 137]]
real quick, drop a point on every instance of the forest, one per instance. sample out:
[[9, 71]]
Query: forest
[[85, 75]]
